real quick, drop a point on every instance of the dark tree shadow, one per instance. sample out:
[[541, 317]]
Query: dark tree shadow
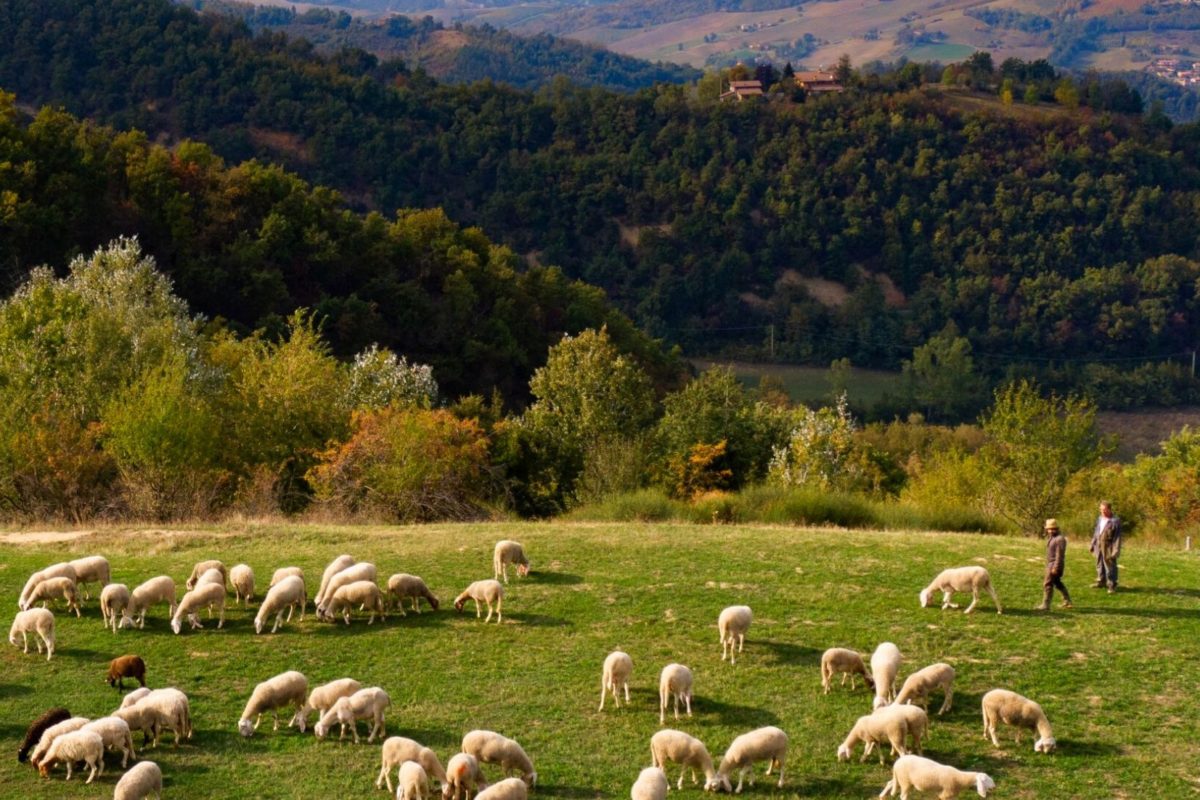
[[790, 652], [555, 578]]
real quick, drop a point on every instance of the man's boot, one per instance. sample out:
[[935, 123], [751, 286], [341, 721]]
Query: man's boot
[[1045, 606], [1066, 603]]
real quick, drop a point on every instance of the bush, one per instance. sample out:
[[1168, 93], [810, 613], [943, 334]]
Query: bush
[[614, 465], [804, 506], [644, 505]]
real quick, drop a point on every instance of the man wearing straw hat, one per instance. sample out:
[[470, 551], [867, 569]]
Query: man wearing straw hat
[[1056, 559]]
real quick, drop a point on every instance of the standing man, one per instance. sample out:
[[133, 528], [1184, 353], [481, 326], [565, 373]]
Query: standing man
[[1056, 559], [1106, 547]]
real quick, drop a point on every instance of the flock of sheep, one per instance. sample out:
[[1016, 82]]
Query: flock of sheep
[[898, 719]]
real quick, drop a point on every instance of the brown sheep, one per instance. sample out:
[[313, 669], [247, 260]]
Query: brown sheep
[[126, 667], [51, 717]]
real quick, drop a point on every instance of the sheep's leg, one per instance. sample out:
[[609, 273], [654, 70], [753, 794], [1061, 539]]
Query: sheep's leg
[[675, 706], [489, 616], [949, 698], [478, 613], [995, 599], [499, 613], [974, 601], [384, 772], [25, 641], [275, 714], [70, 766], [868, 746], [662, 708], [257, 720], [221, 618], [682, 772], [741, 641], [603, 691], [779, 761], [626, 692], [302, 604], [687, 698], [741, 778], [946, 596]]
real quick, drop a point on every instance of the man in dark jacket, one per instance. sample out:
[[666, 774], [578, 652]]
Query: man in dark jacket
[[1106, 546], [1056, 560]]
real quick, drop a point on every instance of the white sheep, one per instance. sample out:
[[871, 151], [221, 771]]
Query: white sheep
[[116, 735], [732, 625], [960, 579], [885, 665], [768, 744], [847, 662], [362, 571], [675, 681], [651, 784], [618, 666], [463, 777], [677, 747], [80, 745], [283, 596], [285, 572], [507, 789], [203, 567], [918, 686], [286, 689], [59, 570], [508, 552], [412, 782], [140, 782], [160, 589], [1001, 705], [874, 730], [487, 591], [492, 748], [915, 719], [133, 697], [403, 586], [159, 710], [242, 578], [335, 566], [53, 732], [38, 621], [55, 589], [210, 575], [916, 772], [367, 703], [205, 594], [91, 569], [364, 594], [397, 750], [322, 698], [114, 600]]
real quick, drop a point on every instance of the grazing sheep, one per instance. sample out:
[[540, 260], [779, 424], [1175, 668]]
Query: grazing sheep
[[80, 745], [732, 625], [160, 589], [337, 565], [915, 772], [463, 776], [403, 586], [362, 571], [53, 732], [364, 594], [651, 784], [55, 589], [211, 575], [285, 572], [242, 578], [397, 750], [509, 552], [205, 594], [488, 591], [283, 690], [115, 734], [114, 601], [915, 718], [322, 698], [59, 570], [159, 710], [38, 621], [90, 569], [140, 782], [918, 686], [618, 666], [123, 667], [960, 579], [872, 730], [689, 752], [885, 665], [764, 744], [39, 726], [675, 681], [1001, 705], [133, 697], [507, 789], [413, 782], [367, 703], [283, 596], [201, 568], [848, 662], [492, 748]]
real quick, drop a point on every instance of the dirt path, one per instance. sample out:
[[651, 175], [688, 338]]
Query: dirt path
[[42, 537]]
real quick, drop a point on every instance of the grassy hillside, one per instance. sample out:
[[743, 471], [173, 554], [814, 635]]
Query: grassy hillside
[[1116, 675]]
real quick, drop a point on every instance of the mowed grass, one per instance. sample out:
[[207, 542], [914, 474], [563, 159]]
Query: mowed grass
[[1116, 676]]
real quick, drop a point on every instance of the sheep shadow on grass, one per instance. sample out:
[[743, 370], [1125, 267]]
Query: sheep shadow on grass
[[1163, 590], [790, 652], [732, 714], [539, 620], [1146, 613], [554, 578], [568, 791], [14, 689]]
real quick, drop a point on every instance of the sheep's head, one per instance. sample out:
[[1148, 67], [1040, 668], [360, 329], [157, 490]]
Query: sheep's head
[[523, 569], [878, 703], [321, 729], [300, 719], [176, 625], [924, 595], [1047, 745], [843, 753], [433, 602], [258, 626], [245, 728], [984, 784], [870, 682], [530, 779], [718, 783], [459, 603], [126, 621], [12, 639], [43, 769]]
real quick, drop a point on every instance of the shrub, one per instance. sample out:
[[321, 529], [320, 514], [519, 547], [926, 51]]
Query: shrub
[[643, 505], [700, 471], [613, 465], [803, 506]]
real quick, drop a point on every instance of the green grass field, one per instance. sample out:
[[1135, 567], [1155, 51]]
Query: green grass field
[[811, 385], [1116, 676]]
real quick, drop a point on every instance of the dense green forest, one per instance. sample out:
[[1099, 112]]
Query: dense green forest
[[1056, 239], [462, 53]]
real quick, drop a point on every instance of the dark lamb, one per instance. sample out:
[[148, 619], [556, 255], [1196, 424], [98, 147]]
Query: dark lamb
[[51, 717]]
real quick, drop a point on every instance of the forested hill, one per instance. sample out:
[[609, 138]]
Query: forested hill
[[858, 224], [462, 53]]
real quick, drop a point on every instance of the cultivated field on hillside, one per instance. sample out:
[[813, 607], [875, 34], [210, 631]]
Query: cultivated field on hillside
[[1116, 675]]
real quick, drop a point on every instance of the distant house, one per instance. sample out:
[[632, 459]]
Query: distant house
[[740, 90], [818, 82]]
